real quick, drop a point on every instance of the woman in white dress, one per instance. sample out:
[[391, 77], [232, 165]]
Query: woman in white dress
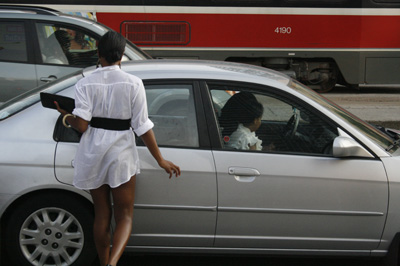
[[107, 104]]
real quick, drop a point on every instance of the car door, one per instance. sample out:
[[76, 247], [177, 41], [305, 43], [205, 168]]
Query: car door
[[168, 212], [16, 59], [178, 211], [293, 194]]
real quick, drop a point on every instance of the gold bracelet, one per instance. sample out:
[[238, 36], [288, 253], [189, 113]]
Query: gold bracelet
[[65, 122]]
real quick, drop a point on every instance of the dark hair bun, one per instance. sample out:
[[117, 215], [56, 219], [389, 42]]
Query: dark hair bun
[[112, 46]]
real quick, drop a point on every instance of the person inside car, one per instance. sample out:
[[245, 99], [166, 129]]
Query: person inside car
[[55, 49], [240, 118]]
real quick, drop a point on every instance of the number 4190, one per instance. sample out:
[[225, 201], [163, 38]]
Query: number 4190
[[283, 30]]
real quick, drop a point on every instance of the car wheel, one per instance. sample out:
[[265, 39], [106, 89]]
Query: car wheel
[[51, 230]]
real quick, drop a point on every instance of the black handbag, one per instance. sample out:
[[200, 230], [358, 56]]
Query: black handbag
[[64, 134]]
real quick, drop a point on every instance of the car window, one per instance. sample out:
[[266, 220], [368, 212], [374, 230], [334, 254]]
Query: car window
[[369, 130], [13, 42], [263, 121], [171, 108], [64, 45]]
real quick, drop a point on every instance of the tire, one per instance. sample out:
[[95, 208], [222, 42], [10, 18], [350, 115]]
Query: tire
[[53, 229]]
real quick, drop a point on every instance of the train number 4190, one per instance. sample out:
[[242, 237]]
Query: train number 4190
[[283, 30]]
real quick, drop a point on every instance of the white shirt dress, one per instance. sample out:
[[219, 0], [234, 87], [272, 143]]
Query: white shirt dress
[[109, 156]]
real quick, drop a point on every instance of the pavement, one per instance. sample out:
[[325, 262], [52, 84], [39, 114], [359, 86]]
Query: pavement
[[380, 109]]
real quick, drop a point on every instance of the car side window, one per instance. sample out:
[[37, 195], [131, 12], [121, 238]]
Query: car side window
[[13, 42], [172, 110], [63, 45], [253, 120]]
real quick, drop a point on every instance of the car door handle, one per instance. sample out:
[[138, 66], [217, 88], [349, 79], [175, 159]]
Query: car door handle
[[48, 79], [244, 174]]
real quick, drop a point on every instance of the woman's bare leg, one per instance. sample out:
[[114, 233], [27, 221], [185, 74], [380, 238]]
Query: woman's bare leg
[[101, 228], [123, 198]]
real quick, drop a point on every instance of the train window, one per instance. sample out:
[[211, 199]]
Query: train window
[[387, 1], [316, 1], [238, 2], [157, 32], [323, 3]]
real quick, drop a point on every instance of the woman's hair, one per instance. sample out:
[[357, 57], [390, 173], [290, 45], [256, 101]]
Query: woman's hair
[[112, 46], [80, 39], [63, 38], [241, 108]]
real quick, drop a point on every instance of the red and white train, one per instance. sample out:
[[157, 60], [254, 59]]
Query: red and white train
[[320, 42]]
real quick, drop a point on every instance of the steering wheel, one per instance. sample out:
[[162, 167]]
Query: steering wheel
[[293, 123]]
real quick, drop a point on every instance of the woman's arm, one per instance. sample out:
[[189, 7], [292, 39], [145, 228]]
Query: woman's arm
[[75, 121], [150, 141]]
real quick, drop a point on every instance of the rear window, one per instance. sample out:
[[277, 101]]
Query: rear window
[[13, 42]]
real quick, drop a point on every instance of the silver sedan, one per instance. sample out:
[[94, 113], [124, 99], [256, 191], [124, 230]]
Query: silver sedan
[[322, 181]]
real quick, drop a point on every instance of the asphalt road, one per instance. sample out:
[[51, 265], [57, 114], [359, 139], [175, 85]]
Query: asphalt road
[[164, 260]]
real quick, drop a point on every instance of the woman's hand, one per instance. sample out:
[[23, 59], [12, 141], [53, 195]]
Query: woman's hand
[[76, 122], [61, 111], [150, 141], [170, 168]]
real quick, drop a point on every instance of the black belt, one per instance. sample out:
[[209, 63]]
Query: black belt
[[110, 123]]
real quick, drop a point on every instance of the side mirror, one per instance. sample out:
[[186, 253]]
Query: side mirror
[[347, 147]]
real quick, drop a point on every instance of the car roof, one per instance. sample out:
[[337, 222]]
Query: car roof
[[202, 69], [42, 13], [9, 8]]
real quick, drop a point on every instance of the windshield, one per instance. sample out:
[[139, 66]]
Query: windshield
[[31, 97], [368, 130]]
